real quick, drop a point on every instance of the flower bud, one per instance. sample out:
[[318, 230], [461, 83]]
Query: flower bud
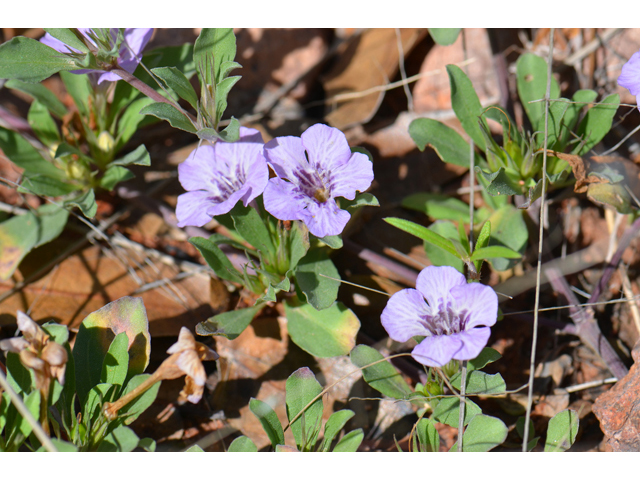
[[106, 143]]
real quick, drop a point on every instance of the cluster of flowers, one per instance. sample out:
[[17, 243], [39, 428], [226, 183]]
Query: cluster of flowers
[[311, 172]]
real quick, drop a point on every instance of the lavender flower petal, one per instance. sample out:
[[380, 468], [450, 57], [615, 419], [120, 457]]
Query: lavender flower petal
[[437, 350], [356, 174], [630, 76], [469, 297], [325, 218], [284, 199], [473, 341], [199, 169], [435, 283], [402, 317], [327, 147], [189, 209], [286, 155], [135, 39]]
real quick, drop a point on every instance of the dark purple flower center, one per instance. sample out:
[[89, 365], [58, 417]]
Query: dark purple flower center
[[314, 184], [445, 319], [226, 185]]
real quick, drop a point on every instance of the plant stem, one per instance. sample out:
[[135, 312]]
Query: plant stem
[[536, 307], [463, 404], [149, 92]]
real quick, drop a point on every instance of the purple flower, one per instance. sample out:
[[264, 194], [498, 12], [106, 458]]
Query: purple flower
[[630, 76], [454, 320], [312, 171], [135, 39], [217, 176]]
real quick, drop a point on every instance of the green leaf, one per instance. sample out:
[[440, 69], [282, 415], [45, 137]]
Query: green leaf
[[444, 36], [86, 202], [437, 256], [321, 292], [350, 442], [252, 228], [302, 387], [481, 383], [332, 241], [114, 175], [18, 428], [361, 200], [231, 132], [40, 93], [423, 233], [98, 330], [132, 410], [428, 436], [323, 333], [45, 186], [466, 104], [269, 420], [562, 431], [140, 156], [482, 241], [222, 91], [557, 111], [499, 183], [508, 229], [171, 114], [520, 429], [482, 434], [176, 81], [19, 377], [219, 43], [570, 120], [487, 355], [229, 324], [448, 411], [437, 206], [21, 234], [332, 428], [448, 144], [195, 448], [382, 376], [216, 259], [121, 439], [116, 361], [597, 122], [130, 120], [96, 397], [614, 195], [494, 252], [25, 156], [148, 444], [31, 61], [80, 89], [242, 444], [531, 72], [61, 446], [43, 124]]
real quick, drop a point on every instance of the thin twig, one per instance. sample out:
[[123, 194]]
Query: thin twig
[[534, 340], [403, 73]]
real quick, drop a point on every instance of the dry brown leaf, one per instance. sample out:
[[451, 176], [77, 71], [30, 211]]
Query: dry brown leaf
[[91, 278], [369, 60], [618, 410]]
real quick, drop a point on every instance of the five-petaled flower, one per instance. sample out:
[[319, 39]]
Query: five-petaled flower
[[46, 358], [630, 76], [312, 171], [217, 176], [130, 52], [454, 319]]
